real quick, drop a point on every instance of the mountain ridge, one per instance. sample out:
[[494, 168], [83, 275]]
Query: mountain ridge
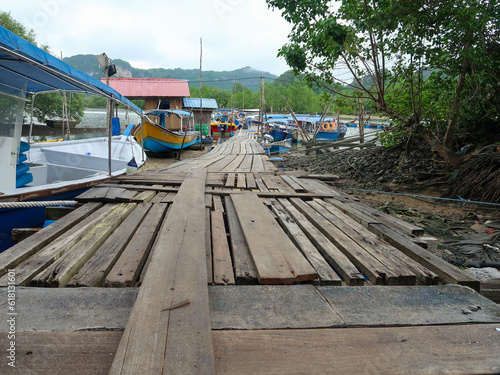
[[223, 80]]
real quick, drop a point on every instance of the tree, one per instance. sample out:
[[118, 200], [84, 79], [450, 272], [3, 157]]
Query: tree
[[380, 47], [50, 104], [11, 24]]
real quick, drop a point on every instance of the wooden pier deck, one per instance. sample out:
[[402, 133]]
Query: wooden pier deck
[[223, 264]]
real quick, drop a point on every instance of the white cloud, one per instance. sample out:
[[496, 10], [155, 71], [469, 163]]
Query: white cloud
[[155, 33]]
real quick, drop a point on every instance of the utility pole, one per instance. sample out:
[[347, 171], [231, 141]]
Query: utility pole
[[201, 88]]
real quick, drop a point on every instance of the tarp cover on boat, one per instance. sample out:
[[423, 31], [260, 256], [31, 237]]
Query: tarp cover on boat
[[22, 63], [167, 112]]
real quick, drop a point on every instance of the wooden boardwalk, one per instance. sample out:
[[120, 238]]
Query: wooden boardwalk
[[231, 220]]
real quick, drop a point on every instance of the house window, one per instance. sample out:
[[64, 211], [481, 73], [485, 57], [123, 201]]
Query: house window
[[165, 105]]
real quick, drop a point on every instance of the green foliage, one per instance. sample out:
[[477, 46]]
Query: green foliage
[[11, 24], [94, 101], [46, 105], [50, 105], [388, 48]]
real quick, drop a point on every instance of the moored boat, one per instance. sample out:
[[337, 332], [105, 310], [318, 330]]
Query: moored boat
[[166, 130], [331, 131], [51, 170]]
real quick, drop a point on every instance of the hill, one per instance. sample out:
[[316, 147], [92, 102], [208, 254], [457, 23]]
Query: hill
[[223, 80]]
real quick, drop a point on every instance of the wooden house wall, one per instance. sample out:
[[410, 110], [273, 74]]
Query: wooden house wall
[[207, 116], [173, 123]]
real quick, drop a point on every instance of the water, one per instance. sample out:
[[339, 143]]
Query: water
[[96, 118]]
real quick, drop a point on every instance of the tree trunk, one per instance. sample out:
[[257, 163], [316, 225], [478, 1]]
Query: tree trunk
[[446, 153]]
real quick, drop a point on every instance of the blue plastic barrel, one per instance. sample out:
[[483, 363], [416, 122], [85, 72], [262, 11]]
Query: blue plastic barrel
[[115, 126]]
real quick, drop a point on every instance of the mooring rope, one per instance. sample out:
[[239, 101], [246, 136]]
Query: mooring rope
[[32, 204]]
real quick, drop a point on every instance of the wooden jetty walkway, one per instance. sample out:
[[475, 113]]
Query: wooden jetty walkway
[[223, 264]]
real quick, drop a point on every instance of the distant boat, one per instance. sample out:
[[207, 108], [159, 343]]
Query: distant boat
[[166, 130], [331, 131], [60, 123], [224, 128]]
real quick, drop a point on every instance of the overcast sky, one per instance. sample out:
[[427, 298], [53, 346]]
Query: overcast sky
[[160, 34]]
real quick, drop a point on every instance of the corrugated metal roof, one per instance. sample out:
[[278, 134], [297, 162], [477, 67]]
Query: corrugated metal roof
[[149, 87], [195, 103]]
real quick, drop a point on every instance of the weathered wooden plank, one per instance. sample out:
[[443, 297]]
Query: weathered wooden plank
[[62, 353], [449, 273], [169, 328], [145, 196], [113, 194], [52, 250], [127, 268], [244, 267], [95, 270], [20, 234], [390, 220], [277, 259], [447, 349], [231, 178], [246, 164], [218, 206], [326, 274], [258, 164], [222, 163], [264, 192], [353, 213], [222, 263], [318, 187], [208, 245], [169, 198], [234, 164], [424, 275], [61, 271], [250, 181], [94, 194], [294, 184], [322, 177], [13, 256], [336, 258], [126, 196], [379, 249], [55, 213], [158, 198], [281, 184], [269, 182], [241, 181], [364, 261]]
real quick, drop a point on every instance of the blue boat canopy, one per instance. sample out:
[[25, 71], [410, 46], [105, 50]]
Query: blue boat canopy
[[168, 112], [22, 63]]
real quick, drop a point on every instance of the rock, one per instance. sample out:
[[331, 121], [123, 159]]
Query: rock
[[484, 274]]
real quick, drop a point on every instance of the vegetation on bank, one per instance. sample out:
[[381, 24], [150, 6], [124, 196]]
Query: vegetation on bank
[[384, 51]]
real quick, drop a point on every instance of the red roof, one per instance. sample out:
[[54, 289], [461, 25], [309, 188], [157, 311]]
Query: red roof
[[149, 87]]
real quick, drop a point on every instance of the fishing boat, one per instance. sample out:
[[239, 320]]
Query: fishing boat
[[226, 129], [166, 130], [279, 129], [330, 130], [35, 173]]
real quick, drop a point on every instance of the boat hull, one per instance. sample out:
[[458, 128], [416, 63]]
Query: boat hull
[[329, 135], [158, 139], [63, 170], [279, 135], [216, 129]]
